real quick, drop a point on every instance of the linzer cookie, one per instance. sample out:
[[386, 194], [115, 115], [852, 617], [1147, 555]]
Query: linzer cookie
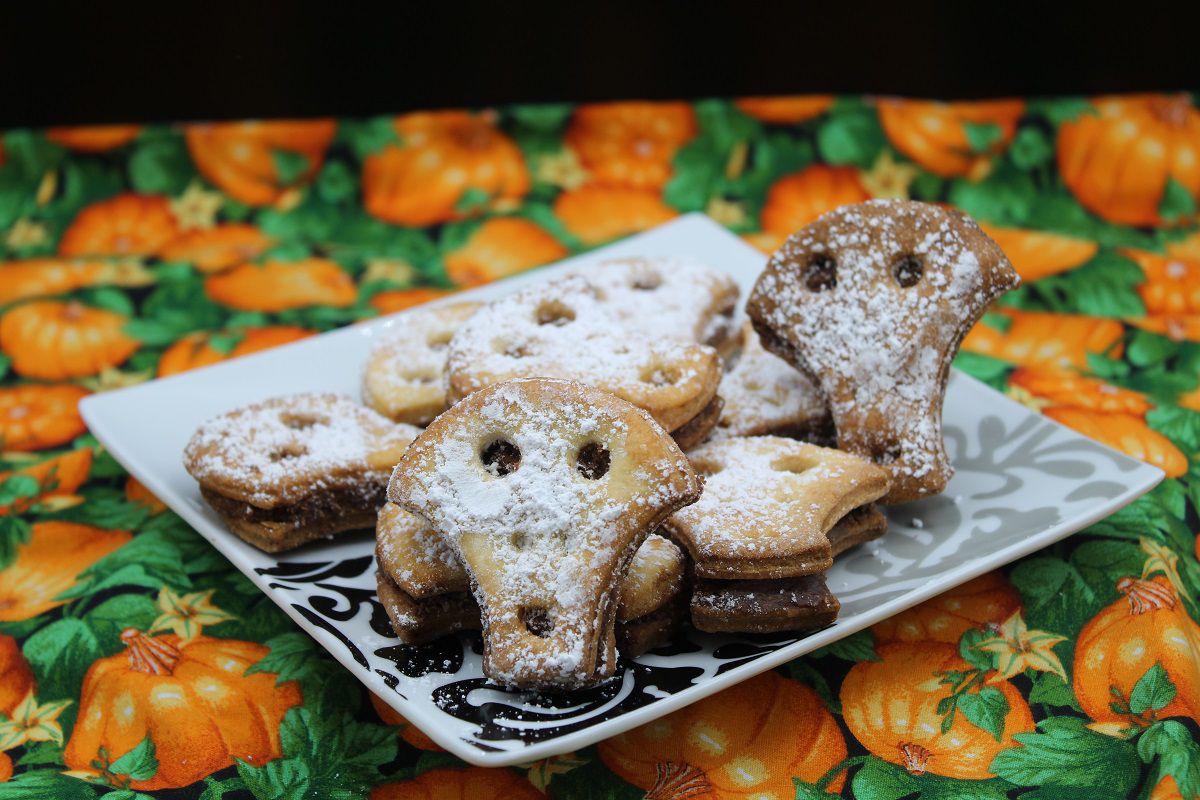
[[598, 329], [404, 377], [426, 590], [872, 301], [765, 395], [292, 469], [772, 606], [769, 504], [545, 489]]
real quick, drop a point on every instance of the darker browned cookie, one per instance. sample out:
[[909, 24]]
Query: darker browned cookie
[[872, 301], [770, 606]]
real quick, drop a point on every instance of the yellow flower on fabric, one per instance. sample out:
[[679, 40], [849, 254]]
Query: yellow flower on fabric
[[1028, 398], [562, 169], [111, 378], [1162, 559], [1017, 649], [33, 722], [393, 270], [47, 188], [186, 615], [540, 773], [887, 178], [24, 233], [726, 212], [197, 207]]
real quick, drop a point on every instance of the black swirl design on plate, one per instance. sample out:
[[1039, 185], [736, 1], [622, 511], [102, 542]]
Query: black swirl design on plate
[[444, 655]]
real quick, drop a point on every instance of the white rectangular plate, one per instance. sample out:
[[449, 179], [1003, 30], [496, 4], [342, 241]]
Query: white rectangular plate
[[1021, 483]]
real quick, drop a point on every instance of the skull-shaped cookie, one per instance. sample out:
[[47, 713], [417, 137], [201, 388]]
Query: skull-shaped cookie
[[404, 378], [291, 469], [768, 505], [872, 301], [604, 329], [545, 489]]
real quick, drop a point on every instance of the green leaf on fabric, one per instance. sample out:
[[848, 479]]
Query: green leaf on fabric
[[5, 363], [293, 657], [928, 187], [367, 136], [472, 200], [18, 487], [1177, 204], [1030, 149], [1147, 349], [1102, 287], [1056, 596], [140, 763], [879, 780], [981, 136], [541, 117], [107, 507], [281, 779], [336, 182], [1064, 752], [856, 647], [111, 299], [853, 137], [696, 170], [1103, 562], [217, 789], [980, 659], [161, 165], [14, 532], [37, 753], [1004, 198], [127, 794], [60, 654], [42, 784], [115, 614], [1051, 690], [802, 671], [149, 559], [1177, 751], [1180, 425], [991, 371], [1060, 109], [290, 166], [1153, 691], [592, 781], [986, 710], [805, 791]]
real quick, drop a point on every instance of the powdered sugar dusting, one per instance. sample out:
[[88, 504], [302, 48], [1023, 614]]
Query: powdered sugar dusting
[[764, 394], [284, 449]]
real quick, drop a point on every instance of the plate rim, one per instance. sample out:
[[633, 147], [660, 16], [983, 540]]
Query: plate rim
[[92, 410]]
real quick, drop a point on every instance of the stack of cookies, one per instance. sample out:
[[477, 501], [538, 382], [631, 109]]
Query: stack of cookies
[[608, 455]]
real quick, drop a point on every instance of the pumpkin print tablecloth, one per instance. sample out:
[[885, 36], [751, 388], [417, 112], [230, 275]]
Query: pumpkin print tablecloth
[[134, 661]]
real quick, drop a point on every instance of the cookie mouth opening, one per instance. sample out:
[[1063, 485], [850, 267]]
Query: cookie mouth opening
[[593, 461], [501, 457], [299, 422], [647, 281], [821, 273], [536, 620], [908, 271], [554, 312], [662, 375], [289, 451]]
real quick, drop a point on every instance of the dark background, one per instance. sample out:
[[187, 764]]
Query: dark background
[[105, 62]]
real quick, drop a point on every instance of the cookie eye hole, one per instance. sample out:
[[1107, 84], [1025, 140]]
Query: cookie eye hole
[[647, 281], [793, 464], [288, 451], [552, 312], [888, 455], [536, 620], [511, 349], [518, 540], [908, 271], [593, 461], [501, 457], [299, 422], [821, 273], [439, 341], [659, 375]]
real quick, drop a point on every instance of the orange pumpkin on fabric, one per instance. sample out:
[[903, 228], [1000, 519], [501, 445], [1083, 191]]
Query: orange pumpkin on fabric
[[193, 699], [1072, 390], [16, 677], [217, 248], [57, 477], [405, 730], [501, 247], [280, 285], [194, 350], [1166, 789], [747, 742], [47, 565], [1184, 327], [52, 340], [935, 136], [1126, 433], [94, 138], [598, 214], [38, 277], [1171, 288], [1148, 625], [796, 200], [394, 300], [1117, 161], [630, 144], [1187, 248], [441, 156], [34, 417], [891, 708], [1037, 338], [1038, 254], [784, 109], [472, 783], [240, 157], [990, 598], [137, 493], [125, 225]]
